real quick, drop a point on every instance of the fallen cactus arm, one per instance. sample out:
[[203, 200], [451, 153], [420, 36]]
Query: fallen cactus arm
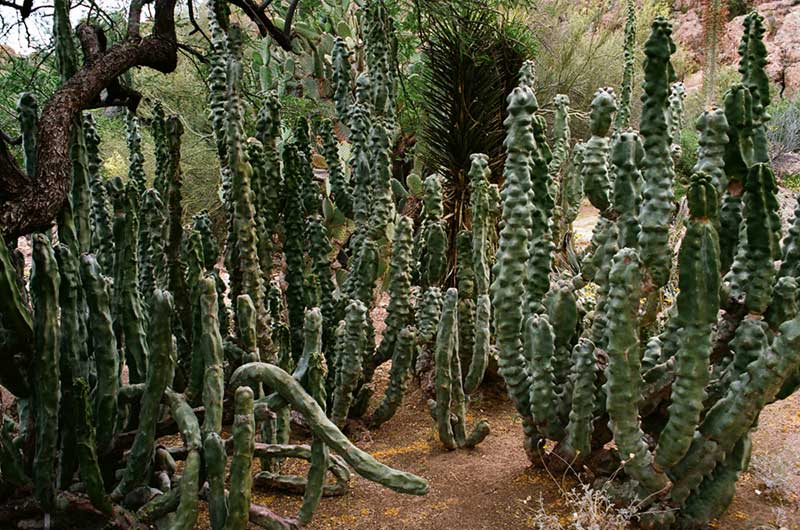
[[364, 464]]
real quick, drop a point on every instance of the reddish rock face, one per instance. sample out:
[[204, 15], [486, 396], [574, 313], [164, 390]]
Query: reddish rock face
[[782, 21]]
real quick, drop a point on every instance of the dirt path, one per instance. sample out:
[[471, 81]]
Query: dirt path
[[493, 487]]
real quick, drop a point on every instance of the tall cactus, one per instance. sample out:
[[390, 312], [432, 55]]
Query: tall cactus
[[623, 117], [102, 236], [596, 180], [657, 194], [508, 286]]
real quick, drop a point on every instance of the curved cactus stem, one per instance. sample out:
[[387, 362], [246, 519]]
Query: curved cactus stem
[[186, 515], [159, 375], [446, 346], [87, 449], [398, 377], [576, 445], [481, 346], [539, 349], [698, 305], [364, 464], [349, 360], [215, 460], [98, 296]]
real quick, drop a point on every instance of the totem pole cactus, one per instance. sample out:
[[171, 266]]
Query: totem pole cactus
[[596, 181], [102, 237], [449, 408], [623, 118], [679, 406], [657, 171]]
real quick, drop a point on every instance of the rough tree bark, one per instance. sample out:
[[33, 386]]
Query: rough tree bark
[[30, 203]]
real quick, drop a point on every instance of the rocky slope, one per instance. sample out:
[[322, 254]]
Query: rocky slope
[[782, 20]]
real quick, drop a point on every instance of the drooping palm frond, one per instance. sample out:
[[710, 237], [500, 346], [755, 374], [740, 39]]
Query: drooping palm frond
[[471, 63]]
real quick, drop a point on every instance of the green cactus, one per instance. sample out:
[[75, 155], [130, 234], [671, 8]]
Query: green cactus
[[340, 187], [449, 408], [363, 463], [752, 66], [127, 307], [738, 159], [790, 261], [102, 237], [153, 271], [576, 445], [596, 181], [269, 194], [657, 204], [28, 116], [512, 256], [252, 279], [562, 135], [316, 387], [540, 351], [479, 174], [349, 360], [675, 116], [87, 450], [186, 512], [258, 178], [399, 311], [104, 348], [320, 251], [242, 461], [626, 157], [622, 385], [398, 377], [294, 244], [623, 118], [432, 251], [342, 94], [159, 375], [45, 283], [135, 155], [713, 127], [698, 304]]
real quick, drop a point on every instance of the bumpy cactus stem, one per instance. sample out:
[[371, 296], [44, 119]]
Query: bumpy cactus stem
[[754, 76], [244, 213], [242, 461], [626, 156], [399, 312], [596, 181], [340, 187], [540, 350], [398, 377], [159, 375], [349, 360], [713, 127], [98, 296], [87, 449], [269, 195], [102, 236], [622, 374], [45, 282], [152, 234], [433, 250], [135, 155], [364, 464], [675, 117], [128, 313], [512, 256], [342, 91], [738, 159], [623, 118], [562, 135], [657, 204], [449, 408], [320, 250], [576, 445], [186, 513], [698, 304], [294, 244]]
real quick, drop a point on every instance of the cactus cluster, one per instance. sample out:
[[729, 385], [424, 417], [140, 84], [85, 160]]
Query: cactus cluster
[[680, 404]]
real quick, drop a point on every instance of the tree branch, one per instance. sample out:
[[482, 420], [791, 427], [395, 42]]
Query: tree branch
[[265, 25], [29, 206]]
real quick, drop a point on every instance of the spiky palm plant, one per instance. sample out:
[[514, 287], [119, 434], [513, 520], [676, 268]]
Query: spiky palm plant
[[470, 60]]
